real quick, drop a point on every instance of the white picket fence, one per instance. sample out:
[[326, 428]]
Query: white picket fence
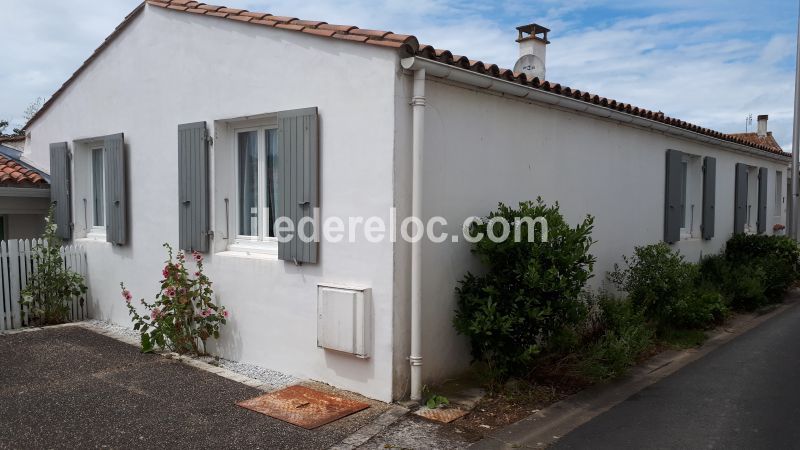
[[16, 266]]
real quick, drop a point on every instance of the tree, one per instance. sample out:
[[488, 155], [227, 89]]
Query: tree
[[28, 114]]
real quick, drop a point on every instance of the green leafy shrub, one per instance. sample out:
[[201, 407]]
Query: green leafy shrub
[[743, 285], [622, 335], [657, 280], [777, 256], [51, 286], [183, 312], [699, 309], [530, 289]]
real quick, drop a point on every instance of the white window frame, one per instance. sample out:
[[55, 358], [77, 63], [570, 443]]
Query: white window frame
[[262, 243], [692, 186], [96, 231]]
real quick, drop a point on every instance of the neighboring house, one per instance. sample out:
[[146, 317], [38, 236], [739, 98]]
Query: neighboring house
[[190, 120], [24, 193], [15, 142]]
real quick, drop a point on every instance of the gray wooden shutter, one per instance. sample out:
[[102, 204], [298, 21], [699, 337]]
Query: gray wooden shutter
[[761, 224], [193, 195], [672, 200], [709, 196], [116, 201], [59, 189], [298, 178], [740, 198]]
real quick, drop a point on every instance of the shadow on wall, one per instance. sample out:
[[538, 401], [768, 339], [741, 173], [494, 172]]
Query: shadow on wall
[[350, 367]]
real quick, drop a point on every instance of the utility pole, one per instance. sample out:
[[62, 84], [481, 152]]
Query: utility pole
[[793, 232]]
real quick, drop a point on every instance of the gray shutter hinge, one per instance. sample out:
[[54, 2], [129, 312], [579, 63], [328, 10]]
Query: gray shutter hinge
[[209, 139], [210, 234]]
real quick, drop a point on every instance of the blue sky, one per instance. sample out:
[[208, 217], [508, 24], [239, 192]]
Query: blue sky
[[710, 62]]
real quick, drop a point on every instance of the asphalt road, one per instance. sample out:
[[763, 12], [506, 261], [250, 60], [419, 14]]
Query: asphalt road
[[72, 388], [743, 395]]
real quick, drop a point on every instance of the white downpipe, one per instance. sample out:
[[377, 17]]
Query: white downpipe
[[417, 151]]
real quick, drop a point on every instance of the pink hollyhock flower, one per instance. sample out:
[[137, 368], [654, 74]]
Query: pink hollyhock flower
[[155, 313], [165, 272], [197, 274], [197, 256], [206, 312], [226, 314], [170, 292], [126, 294]]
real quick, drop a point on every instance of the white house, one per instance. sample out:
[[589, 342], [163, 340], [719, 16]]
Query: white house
[[192, 121]]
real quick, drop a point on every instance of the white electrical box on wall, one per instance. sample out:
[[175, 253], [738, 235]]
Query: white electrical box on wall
[[344, 319]]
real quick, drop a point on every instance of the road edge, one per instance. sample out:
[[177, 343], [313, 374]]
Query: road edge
[[548, 425]]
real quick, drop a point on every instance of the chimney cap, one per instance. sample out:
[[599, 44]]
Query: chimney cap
[[532, 31], [763, 117]]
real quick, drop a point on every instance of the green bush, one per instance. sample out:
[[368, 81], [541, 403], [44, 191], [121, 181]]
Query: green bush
[[699, 309], [530, 290], [622, 337], [657, 280], [51, 286], [778, 257]]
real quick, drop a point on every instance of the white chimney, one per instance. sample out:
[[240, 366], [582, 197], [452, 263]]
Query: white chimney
[[532, 50], [762, 125]]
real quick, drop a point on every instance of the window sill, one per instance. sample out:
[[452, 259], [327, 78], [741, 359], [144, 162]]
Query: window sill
[[93, 238], [255, 247], [247, 255]]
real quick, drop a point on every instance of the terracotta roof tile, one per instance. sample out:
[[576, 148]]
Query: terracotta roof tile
[[370, 33], [755, 139], [14, 174], [308, 23], [326, 33], [285, 19], [255, 15], [232, 10], [265, 21], [241, 18], [351, 37], [408, 45], [342, 28], [288, 26]]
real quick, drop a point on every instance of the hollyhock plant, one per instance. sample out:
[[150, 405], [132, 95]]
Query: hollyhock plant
[[183, 315]]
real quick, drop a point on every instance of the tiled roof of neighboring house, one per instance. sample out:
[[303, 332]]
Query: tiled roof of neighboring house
[[755, 139], [407, 45], [15, 173], [15, 138]]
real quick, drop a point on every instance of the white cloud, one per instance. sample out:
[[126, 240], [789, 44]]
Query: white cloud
[[711, 62]]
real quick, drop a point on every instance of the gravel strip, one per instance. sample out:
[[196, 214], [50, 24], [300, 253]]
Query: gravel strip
[[274, 379]]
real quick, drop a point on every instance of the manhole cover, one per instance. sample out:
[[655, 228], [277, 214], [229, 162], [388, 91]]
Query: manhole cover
[[443, 415], [303, 407]]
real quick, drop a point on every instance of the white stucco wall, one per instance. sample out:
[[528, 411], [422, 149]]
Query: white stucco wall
[[170, 68], [481, 149]]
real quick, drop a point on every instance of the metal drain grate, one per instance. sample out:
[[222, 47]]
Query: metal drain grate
[[303, 406]]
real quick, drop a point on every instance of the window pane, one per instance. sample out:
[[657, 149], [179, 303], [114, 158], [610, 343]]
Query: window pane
[[248, 183], [98, 203], [271, 186]]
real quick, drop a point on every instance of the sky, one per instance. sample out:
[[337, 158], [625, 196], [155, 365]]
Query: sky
[[710, 62]]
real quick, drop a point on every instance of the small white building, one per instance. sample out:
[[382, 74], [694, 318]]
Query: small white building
[[192, 121]]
